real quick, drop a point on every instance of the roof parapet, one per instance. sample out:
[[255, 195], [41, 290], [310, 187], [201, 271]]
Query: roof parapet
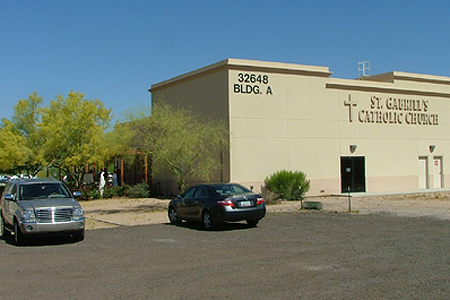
[[248, 65], [404, 76]]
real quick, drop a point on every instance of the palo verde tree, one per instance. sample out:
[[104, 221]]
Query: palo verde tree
[[180, 140], [21, 138], [26, 119], [14, 148], [117, 141], [73, 129]]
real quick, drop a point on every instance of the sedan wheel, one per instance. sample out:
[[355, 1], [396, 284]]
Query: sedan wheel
[[173, 216], [252, 222], [207, 221]]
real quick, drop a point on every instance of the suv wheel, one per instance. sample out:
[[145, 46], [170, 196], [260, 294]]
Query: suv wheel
[[79, 236], [18, 236], [3, 231]]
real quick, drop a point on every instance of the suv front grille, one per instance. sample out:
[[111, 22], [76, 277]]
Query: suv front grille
[[54, 215]]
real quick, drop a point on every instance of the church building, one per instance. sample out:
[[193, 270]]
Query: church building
[[381, 133]]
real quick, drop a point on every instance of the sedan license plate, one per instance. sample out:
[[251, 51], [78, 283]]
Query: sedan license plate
[[246, 203]]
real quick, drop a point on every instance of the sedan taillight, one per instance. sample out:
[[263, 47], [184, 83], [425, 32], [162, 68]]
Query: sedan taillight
[[226, 202], [260, 201]]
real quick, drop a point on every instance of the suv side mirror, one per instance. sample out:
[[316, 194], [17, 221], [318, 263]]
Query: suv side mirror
[[77, 194], [9, 197]]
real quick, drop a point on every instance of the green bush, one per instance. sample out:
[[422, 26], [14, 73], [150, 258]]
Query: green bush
[[140, 190], [95, 194], [108, 193], [116, 191], [84, 194], [89, 193], [286, 184]]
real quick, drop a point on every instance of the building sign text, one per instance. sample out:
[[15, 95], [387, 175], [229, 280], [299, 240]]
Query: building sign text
[[391, 110], [252, 84]]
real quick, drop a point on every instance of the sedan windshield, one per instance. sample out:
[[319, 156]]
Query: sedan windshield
[[43, 190], [230, 189]]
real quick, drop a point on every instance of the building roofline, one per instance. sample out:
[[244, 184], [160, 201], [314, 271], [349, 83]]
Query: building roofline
[[250, 65], [297, 69], [405, 76]]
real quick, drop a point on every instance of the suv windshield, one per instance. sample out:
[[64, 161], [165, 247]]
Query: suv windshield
[[43, 190]]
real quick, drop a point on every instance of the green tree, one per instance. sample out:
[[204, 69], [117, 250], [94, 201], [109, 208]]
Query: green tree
[[180, 140], [14, 148], [26, 119], [73, 129], [21, 137], [118, 141]]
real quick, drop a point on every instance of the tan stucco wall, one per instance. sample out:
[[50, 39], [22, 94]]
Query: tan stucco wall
[[204, 91], [294, 117]]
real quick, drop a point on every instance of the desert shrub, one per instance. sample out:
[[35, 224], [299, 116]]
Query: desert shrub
[[115, 191], [269, 196], [119, 191], [108, 193], [90, 192], [95, 194], [84, 195], [140, 190], [286, 184]]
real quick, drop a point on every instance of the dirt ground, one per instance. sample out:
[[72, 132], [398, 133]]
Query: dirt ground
[[108, 213]]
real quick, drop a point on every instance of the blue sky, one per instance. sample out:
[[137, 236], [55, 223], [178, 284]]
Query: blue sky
[[115, 50]]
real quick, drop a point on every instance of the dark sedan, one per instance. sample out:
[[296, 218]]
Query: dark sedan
[[212, 204]]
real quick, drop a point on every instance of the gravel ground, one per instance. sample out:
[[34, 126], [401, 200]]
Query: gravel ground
[[107, 213], [388, 247], [290, 255]]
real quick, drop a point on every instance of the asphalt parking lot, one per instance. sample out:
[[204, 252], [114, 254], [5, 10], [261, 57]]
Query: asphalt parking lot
[[293, 255]]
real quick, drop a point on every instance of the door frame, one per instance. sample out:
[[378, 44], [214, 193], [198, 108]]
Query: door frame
[[353, 174], [437, 176]]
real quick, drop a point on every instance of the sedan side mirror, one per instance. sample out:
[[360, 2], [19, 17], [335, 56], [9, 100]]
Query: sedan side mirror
[[77, 194]]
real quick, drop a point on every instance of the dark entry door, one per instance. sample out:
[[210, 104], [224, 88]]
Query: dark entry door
[[353, 174]]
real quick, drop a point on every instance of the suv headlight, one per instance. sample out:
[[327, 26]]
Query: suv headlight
[[28, 215], [78, 213]]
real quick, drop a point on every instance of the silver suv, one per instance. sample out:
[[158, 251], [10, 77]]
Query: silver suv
[[36, 207]]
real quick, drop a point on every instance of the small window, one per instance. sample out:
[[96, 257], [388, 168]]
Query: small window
[[201, 193], [13, 190], [230, 189], [190, 193]]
